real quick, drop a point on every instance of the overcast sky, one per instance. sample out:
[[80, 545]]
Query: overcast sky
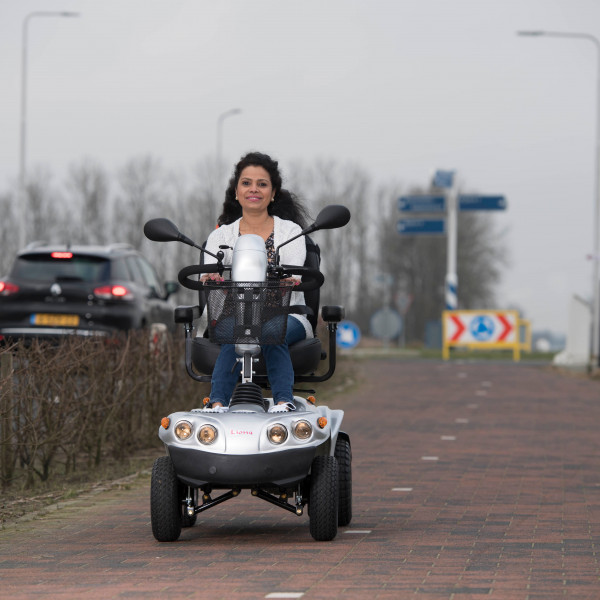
[[400, 87]]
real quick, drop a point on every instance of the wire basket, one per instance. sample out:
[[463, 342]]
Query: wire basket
[[247, 312]]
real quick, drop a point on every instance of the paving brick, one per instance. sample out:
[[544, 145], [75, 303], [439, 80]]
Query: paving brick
[[511, 508]]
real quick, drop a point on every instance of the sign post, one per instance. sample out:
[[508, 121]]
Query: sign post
[[450, 202]]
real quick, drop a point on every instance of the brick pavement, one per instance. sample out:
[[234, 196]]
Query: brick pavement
[[470, 481]]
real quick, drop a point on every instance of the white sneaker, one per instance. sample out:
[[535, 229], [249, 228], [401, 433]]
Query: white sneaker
[[286, 407]]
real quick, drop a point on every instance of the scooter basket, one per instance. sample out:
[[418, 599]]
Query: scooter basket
[[247, 312]]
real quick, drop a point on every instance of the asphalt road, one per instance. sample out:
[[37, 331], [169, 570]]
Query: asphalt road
[[470, 481]]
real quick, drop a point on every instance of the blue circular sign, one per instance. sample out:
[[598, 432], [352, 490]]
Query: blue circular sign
[[348, 334], [482, 328]]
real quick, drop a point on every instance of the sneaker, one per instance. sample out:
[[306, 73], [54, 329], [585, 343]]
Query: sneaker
[[286, 407]]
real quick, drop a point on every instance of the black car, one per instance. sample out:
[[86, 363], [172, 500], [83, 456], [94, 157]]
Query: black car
[[82, 290]]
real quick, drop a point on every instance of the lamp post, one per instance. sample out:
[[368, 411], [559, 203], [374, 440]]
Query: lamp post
[[595, 353], [22, 153], [222, 117]]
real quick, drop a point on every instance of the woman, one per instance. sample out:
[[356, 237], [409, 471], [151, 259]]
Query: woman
[[256, 203]]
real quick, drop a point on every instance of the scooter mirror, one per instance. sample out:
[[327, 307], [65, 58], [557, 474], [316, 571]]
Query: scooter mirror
[[331, 217], [161, 230]]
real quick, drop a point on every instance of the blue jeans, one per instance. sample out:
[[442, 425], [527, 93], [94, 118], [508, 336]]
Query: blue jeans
[[226, 372]]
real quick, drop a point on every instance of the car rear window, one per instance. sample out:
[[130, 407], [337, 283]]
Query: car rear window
[[43, 267]]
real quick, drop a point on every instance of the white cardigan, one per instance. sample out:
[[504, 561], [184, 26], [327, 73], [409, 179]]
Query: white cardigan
[[293, 253]]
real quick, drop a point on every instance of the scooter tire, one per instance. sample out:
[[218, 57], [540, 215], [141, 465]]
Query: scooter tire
[[343, 454], [323, 498], [165, 501]]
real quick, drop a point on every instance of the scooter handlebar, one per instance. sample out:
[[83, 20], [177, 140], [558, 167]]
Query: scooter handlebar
[[193, 284], [311, 278]]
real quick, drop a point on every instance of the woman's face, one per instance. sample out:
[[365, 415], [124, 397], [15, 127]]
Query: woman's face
[[254, 189]]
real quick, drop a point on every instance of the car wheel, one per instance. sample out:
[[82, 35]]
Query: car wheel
[[165, 501], [323, 498], [343, 454]]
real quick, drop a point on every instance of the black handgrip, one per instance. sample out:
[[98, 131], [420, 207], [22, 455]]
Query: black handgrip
[[194, 284], [312, 279]]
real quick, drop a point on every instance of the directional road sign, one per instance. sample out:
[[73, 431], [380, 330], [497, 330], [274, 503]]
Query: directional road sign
[[443, 179], [481, 329], [425, 203], [348, 334], [475, 202], [421, 226]]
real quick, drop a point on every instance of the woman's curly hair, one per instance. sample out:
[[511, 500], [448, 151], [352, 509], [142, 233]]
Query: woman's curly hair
[[286, 205]]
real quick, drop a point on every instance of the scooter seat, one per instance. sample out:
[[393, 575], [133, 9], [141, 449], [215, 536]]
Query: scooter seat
[[305, 355]]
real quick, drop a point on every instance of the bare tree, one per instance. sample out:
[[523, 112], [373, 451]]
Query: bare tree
[[345, 252], [44, 210], [142, 189], [88, 184], [8, 232]]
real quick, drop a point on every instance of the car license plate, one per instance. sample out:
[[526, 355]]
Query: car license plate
[[56, 320]]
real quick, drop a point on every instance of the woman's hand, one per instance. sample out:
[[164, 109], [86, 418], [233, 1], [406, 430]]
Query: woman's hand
[[290, 281], [212, 277]]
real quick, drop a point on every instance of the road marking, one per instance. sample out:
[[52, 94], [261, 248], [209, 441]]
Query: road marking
[[481, 393], [402, 489], [285, 595], [358, 531], [473, 406], [462, 375], [459, 420], [448, 438], [430, 458]]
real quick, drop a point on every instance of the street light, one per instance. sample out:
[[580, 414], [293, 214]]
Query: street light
[[222, 117], [22, 155], [593, 365]]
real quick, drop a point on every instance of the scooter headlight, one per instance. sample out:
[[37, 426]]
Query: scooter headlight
[[183, 430], [207, 434], [277, 433], [302, 430]]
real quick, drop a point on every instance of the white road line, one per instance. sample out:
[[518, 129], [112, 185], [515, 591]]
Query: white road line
[[402, 489], [285, 595], [430, 458], [448, 438], [358, 531], [459, 420]]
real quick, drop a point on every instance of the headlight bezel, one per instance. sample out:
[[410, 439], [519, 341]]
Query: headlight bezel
[[207, 427], [302, 437], [271, 434], [182, 426]]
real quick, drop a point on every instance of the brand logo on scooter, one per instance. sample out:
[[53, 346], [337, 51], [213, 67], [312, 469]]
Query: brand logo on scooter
[[241, 432]]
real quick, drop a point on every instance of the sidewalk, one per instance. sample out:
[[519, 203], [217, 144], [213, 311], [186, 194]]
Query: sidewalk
[[470, 481]]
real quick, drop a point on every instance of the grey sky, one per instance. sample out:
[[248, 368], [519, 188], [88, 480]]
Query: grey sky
[[400, 87]]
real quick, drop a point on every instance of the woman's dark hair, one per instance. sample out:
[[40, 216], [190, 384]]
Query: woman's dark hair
[[286, 205]]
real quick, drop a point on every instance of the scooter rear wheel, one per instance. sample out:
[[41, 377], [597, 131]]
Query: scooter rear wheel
[[165, 501], [323, 498]]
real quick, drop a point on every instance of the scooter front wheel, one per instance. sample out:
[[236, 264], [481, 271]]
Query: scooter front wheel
[[343, 454], [165, 501], [323, 498]]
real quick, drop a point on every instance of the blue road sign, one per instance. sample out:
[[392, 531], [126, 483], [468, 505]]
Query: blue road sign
[[482, 328], [475, 202], [421, 226], [424, 203], [443, 179], [348, 334]]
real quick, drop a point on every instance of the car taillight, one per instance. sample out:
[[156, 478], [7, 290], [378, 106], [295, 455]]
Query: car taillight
[[62, 255], [112, 292], [7, 288]]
